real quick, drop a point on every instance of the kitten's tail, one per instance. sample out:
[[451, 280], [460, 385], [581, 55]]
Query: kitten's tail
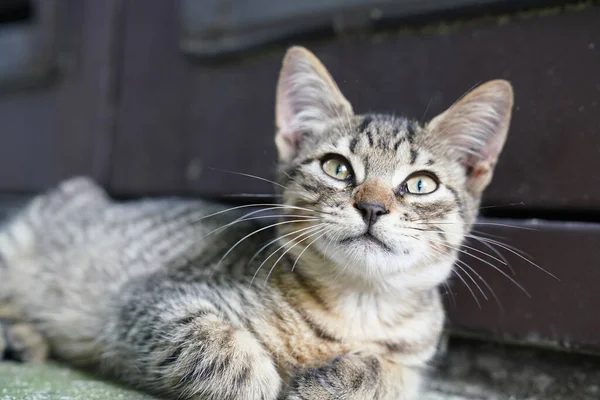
[[19, 235]]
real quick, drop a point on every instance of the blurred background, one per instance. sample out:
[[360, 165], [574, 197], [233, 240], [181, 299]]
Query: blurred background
[[153, 97]]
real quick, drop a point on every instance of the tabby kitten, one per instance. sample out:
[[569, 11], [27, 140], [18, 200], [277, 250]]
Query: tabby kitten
[[183, 300]]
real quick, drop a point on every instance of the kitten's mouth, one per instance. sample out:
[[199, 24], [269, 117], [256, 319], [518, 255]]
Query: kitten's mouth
[[366, 237]]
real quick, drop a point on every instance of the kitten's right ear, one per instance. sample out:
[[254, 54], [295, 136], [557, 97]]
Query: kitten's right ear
[[473, 130], [307, 97]]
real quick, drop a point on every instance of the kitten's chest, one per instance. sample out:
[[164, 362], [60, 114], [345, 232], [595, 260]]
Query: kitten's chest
[[401, 333], [304, 338]]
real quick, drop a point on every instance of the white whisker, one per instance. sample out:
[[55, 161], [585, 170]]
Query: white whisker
[[274, 205], [472, 280], [278, 238], [254, 233], [500, 271], [487, 285], [245, 218], [468, 287], [247, 195], [249, 176], [309, 233], [507, 248], [449, 291], [287, 251], [306, 248], [459, 249], [482, 223]]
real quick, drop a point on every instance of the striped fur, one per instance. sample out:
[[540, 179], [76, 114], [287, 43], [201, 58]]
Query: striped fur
[[189, 300]]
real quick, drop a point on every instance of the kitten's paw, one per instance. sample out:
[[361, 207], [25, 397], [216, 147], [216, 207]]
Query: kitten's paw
[[209, 358], [350, 377], [20, 341]]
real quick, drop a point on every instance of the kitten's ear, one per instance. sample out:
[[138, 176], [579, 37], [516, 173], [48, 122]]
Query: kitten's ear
[[474, 130], [307, 97]]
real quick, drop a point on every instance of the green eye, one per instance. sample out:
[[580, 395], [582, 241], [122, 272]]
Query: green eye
[[337, 167], [421, 184]]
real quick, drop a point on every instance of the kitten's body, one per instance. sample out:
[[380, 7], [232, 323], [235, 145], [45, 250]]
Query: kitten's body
[[147, 292], [107, 266]]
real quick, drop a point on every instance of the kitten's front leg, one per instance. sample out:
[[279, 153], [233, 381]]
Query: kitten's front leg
[[355, 376], [202, 356]]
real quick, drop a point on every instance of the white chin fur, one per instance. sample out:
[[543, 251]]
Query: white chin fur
[[367, 261]]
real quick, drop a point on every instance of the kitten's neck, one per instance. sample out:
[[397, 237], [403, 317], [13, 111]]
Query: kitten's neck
[[351, 309]]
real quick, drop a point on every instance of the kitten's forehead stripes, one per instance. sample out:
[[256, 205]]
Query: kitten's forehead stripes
[[369, 137], [413, 155], [384, 132], [353, 143], [399, 142], [365, 123], [411, 129]]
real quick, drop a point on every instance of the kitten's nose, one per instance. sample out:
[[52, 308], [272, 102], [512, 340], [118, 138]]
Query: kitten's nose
[[371, 211]]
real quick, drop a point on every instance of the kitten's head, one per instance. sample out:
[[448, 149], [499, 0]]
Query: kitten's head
[[394, 198]]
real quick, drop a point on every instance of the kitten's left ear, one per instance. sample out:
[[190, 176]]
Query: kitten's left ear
[[474, 130], [307, 96]]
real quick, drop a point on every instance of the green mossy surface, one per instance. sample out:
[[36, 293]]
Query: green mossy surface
[[55, 382]]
